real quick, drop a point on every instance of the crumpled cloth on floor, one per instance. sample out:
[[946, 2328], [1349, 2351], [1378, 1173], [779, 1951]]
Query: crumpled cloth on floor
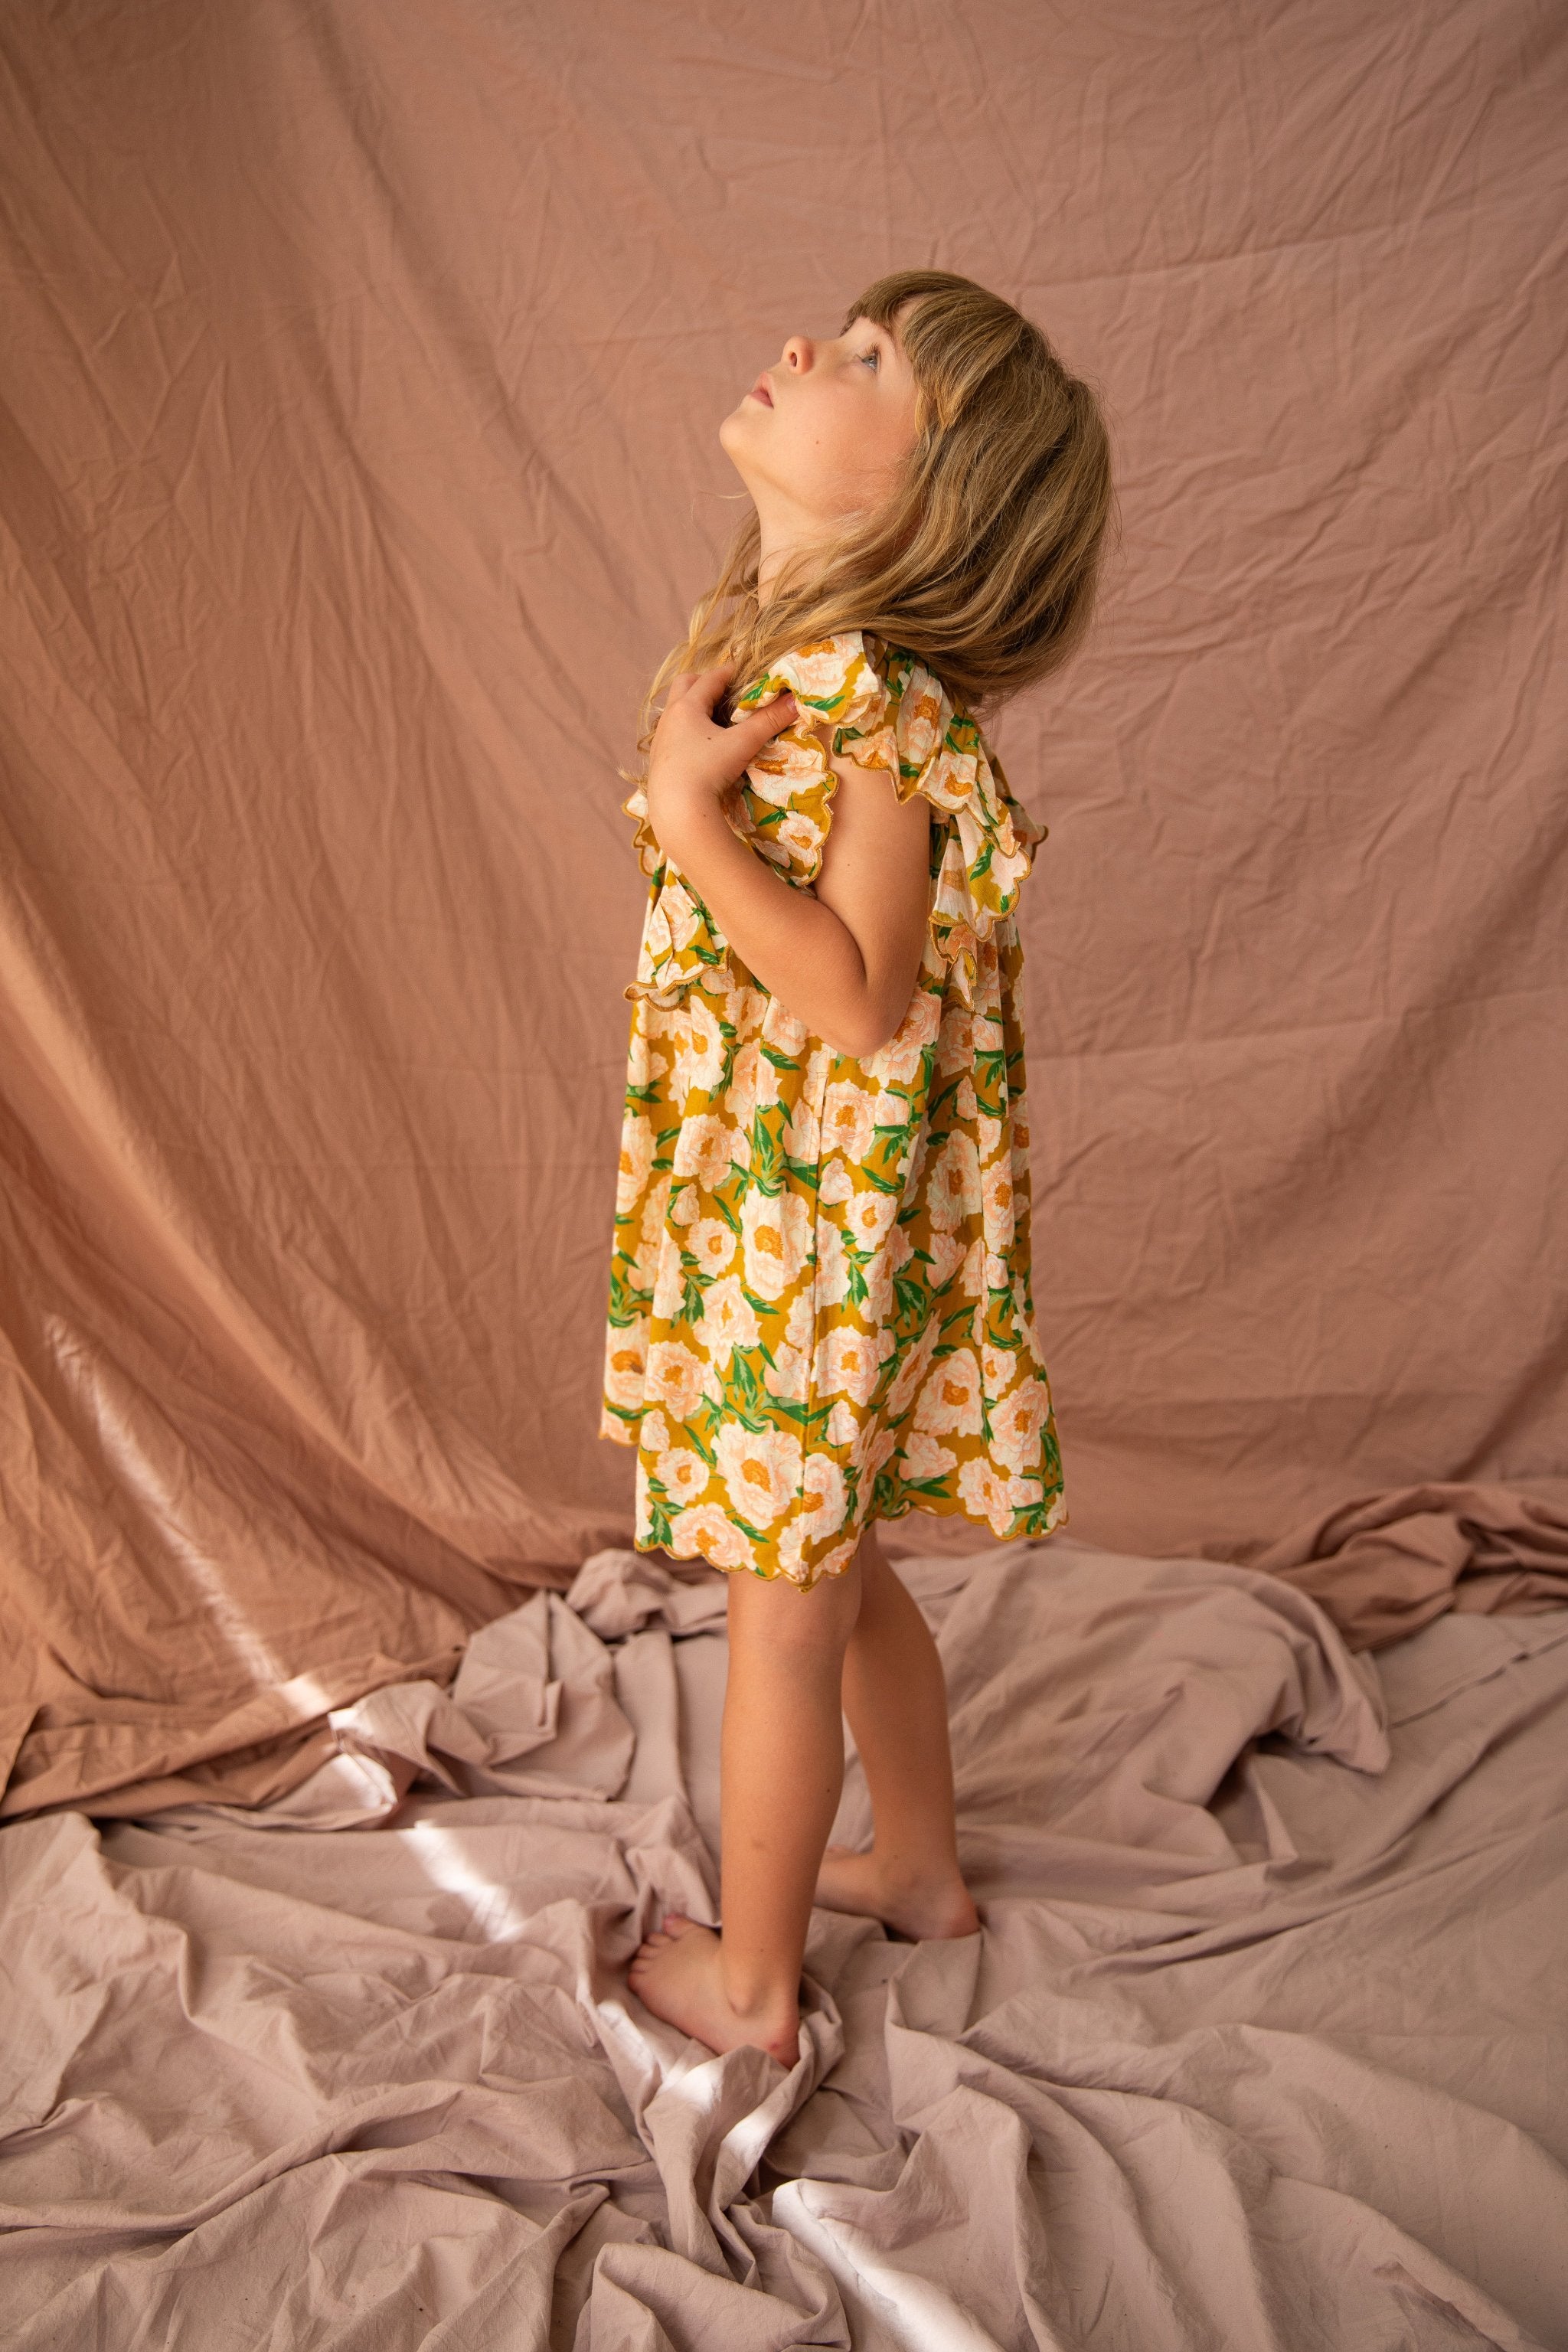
[[1256, 2047], [1386, 1565]]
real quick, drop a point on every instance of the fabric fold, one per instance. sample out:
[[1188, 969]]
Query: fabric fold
[[1384, 1565]]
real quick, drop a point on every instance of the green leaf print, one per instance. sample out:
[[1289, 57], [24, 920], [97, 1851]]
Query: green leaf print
[[910, 1294], [703, 1427], [686, 1433], [809, 1418], [765, 1158], [624, 1303]]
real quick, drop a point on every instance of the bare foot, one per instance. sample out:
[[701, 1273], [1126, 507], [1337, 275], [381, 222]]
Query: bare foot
[[678, 1976], [918, 1907]]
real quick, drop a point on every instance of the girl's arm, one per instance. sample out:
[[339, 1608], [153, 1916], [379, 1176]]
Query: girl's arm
[[843, 956]]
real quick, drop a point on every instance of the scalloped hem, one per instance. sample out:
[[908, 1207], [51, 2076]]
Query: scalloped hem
[[1057, 1517], [668, 993], [763, 1575]]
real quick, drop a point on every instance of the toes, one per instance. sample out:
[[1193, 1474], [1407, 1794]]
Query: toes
[[676, 1924]]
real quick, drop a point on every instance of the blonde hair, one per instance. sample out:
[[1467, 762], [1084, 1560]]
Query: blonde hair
[[985, 559]]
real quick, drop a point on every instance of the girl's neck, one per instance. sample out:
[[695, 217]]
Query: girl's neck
[[777, 543]]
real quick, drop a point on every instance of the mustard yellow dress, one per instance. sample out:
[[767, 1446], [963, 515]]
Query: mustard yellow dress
[[820, 1309]]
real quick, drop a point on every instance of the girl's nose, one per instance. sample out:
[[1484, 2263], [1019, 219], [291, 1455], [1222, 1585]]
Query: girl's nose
[[799, 353]]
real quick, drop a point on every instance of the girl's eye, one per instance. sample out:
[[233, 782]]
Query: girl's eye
[[873, 358]]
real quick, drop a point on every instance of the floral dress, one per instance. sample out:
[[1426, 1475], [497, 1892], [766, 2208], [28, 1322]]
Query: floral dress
[[820, 1309]]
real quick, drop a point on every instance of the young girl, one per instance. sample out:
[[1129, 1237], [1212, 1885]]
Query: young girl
[[820, 1305]]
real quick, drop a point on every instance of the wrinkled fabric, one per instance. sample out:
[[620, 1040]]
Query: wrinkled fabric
[[1259, 2044], [821, 1312], [1388, 1564], [359, 397]]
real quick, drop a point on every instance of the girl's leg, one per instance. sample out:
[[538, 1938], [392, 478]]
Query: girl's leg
[[780, 1774], [896, 1698]]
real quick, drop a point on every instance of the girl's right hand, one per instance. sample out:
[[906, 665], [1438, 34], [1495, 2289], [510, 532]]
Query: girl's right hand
[[693, 761]]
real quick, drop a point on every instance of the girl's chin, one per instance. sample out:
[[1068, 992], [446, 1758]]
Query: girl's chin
[[735, 436]]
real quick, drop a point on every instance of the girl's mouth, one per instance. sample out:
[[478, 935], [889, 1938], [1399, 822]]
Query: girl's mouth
[[762, 391]]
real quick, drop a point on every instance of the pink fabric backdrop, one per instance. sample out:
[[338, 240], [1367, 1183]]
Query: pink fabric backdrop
[[359, 401]]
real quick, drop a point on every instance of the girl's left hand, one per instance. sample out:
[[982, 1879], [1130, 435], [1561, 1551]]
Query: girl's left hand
[[693, 759]]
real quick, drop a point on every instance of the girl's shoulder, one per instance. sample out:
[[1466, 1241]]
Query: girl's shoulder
[[887, 712], [842, 678], [861, 684]]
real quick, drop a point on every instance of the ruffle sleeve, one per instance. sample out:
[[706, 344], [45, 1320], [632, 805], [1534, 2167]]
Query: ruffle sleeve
[[682, 947], [885, 710], [984, 845]]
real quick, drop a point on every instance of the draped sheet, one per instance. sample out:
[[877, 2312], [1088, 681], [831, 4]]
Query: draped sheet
[[358, 401], [1261, 2044]]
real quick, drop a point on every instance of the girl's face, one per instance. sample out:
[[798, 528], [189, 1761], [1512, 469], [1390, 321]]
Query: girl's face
[[821, 434]]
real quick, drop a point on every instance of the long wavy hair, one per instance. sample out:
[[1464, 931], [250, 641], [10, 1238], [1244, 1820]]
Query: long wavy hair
[[985, 557]]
